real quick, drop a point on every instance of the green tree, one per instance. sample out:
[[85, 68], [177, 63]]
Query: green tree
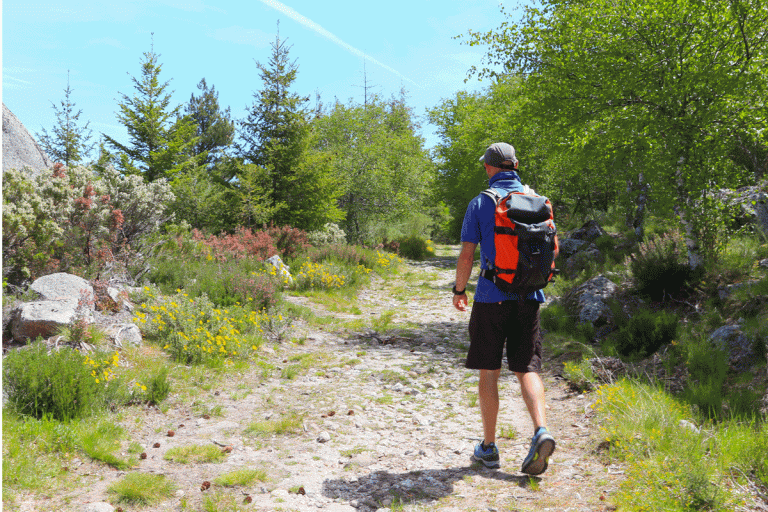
[[161, 141], [658, 85], [68, 143], [380, 162], [215, 129], [273, 133]]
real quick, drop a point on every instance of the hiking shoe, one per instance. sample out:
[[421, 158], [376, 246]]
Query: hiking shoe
[[488, 455], [542, 446]]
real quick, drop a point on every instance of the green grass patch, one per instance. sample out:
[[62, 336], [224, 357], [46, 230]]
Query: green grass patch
[[241, 478], [195, 454], [141, 489], [290, 424], [102, 443], [671, 466]]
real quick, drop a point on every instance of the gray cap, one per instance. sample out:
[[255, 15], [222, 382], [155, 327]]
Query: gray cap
[[501, 155]]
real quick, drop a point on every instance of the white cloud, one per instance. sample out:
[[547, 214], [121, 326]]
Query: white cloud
[[291, 13]]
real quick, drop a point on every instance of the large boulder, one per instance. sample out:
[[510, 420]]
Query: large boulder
[[750, 204], [739, 347], [590, 301], [62, 286], [589, 232], [43, 318], [19, 148]]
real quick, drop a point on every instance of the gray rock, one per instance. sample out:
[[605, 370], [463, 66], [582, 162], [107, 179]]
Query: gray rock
[[751, 205], [736, 344], [588, 255], [571, 246], [43, 318], [589, 301], [324, 437], [19, 147], [589, 232], [124, 334], [282, 269], [64, 287]]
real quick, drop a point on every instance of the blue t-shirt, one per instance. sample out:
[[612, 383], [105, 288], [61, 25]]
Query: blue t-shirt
[[478, 228]]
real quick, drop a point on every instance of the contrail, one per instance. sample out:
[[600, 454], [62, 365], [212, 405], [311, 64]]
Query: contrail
[[288, 11]]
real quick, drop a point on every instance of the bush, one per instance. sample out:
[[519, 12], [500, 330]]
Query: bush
[[63, 385], [416, 248], [644, 333], [195, 331], [76, 221], [289, 241], [660, 267], [331, 234]]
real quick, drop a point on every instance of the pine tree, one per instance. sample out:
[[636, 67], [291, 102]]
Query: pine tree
[[274, 131], [160, 139], [215, 128], [68, 143]]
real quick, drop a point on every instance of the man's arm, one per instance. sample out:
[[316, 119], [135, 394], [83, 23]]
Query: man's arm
[[463, 272]]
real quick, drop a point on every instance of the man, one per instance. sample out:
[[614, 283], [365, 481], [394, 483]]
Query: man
[[500, 318]]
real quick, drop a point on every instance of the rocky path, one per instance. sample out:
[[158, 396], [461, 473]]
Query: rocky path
[[381, 421]]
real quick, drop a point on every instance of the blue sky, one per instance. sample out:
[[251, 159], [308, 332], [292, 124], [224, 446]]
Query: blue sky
[[399, 44]]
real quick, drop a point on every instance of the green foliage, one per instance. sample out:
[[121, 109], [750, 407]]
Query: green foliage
[[194, 331], [627, 91], [76, 220], [379, 162], [645, 332], [62, 385], [708, 369], [197, 454], [556, 318], [102, 442], [68, 143], [158, 387], [330, 234], [161, 140], [416, 248], [660, 267], [215, 128], [141, 489]]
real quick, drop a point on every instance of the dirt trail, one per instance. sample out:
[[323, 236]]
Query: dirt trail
[[388, 419]]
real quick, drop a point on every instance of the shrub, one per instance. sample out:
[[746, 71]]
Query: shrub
[[645, 332], [244, 243], [195, 331], [63, 384], [660, 267], [289, 241], [331, 234], [76, 221], [416, 248]]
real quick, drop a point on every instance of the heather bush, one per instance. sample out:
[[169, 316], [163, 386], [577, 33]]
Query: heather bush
[[660, 267], [63, 384], [645, 332], [244, 243], [289, 241], [76, 221]]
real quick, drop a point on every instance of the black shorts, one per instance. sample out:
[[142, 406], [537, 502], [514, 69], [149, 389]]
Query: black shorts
[[514, 324]]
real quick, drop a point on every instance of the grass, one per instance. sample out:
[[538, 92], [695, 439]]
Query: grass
[[290, 424], [195, 454], [141, 489], [241, 478], [671, 467]]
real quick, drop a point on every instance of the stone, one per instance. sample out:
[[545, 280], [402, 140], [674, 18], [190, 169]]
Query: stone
[[20, 151], [751, 205], [282, 269], [124, 334], [589, 232], [588, 255], [736, 344], [43, 318], [570, 246], [62, 286], [324, 437], [590, 301]]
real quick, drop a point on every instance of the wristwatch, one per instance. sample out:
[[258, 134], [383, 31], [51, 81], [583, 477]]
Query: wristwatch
[[457, 292]]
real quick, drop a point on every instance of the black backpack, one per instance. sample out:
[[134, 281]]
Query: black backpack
[[525, 240]]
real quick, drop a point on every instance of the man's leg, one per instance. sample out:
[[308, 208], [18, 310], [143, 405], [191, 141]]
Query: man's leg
[[488, 396], [532, 389]]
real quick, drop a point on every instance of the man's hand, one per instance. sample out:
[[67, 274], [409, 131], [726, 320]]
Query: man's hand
[[460, 302]]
